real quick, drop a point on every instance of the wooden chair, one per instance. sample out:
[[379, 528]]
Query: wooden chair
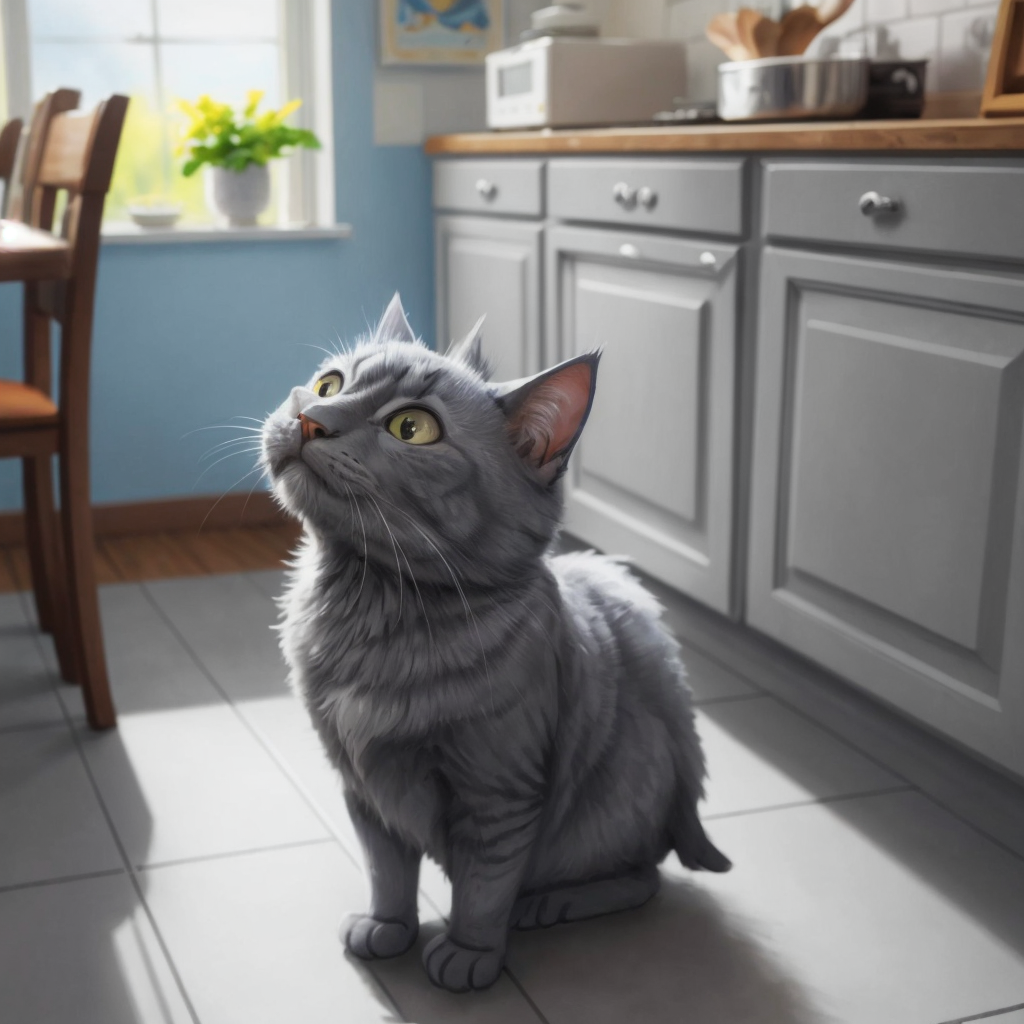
[[78, 156], [19, 200], [28, 156], [10, 136]]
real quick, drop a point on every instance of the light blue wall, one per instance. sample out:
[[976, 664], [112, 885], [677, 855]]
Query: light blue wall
[[190, 335]]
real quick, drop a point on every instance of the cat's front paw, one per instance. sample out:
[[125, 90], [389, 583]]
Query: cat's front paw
[[460, 968], [370, 938]]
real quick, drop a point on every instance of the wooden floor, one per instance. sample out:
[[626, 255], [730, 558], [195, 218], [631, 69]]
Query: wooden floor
[[163, 555]]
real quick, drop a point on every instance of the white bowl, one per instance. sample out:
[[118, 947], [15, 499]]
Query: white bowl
[[155, 216]]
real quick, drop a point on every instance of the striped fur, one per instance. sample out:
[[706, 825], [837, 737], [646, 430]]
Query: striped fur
[[519, 717]]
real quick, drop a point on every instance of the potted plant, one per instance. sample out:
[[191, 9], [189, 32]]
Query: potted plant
[[236, 150]]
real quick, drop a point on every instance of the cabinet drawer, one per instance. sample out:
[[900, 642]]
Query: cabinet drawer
[[970, 210], [703, 196], [490, 186]]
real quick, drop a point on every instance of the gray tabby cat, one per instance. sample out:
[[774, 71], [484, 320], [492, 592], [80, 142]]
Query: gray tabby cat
[[521, 718]]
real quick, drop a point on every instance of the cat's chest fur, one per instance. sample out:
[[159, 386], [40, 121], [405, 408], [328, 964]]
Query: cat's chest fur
[[391, 673]]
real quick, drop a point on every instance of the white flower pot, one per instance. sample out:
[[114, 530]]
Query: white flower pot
[[240, 196]]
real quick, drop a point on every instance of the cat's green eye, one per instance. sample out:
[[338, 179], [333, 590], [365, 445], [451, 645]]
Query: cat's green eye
[[328, 385], [416, 426]]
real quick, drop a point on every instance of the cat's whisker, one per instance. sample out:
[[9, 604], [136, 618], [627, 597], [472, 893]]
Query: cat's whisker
[[245, 504], [255, 469], [395, 547], [221, 459], [319, 348], [228, 444], [224, 426], [471, 617], [362, 529]]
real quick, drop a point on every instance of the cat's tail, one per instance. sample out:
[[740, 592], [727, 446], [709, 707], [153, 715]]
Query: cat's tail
[[691, 843]]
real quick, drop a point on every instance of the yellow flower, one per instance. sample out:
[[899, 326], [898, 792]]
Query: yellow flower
[[253, 97]]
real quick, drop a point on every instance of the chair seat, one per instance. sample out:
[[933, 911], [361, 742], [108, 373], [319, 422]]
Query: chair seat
[[23, 406]]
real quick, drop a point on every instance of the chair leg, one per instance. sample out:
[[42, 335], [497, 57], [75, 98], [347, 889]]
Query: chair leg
[[85, 630], [44, 553]]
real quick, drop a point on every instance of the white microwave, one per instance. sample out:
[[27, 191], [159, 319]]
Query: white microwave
[[570, 82]]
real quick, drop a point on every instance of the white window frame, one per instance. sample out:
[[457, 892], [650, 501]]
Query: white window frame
[[307, 176]]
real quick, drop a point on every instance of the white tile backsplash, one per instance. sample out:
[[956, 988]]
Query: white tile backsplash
[[965, 38], [954, 35], [946, 32]]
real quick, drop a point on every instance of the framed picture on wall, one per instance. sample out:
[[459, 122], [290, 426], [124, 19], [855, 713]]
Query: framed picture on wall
[[440, 31]]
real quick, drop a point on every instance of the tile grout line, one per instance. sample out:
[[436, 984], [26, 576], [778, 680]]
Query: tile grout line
[[987, 1015], [228, 854], [313, 806], [819, 801], [7, 730], [874, 759], [526, 995], [129, 869], [61, 880], [296, 785]]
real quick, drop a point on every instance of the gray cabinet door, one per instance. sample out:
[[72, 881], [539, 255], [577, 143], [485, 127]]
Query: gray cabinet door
[[493, 267], [887, 518], [652, 477]]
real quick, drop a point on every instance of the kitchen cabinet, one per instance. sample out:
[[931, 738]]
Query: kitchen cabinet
[[652, 476], [493, 266], [810, 407], [887, 502]]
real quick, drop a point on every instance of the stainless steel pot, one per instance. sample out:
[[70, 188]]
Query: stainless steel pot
[[781, 88]]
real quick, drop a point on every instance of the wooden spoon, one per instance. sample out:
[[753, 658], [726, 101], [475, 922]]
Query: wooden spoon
[[802, 24], [797, 29], [722, 30], [832, 10], [766, 35]]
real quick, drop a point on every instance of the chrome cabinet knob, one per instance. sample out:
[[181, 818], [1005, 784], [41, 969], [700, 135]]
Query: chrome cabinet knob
[[630, 251], [624, 195], [487, 189], [647, 197], [708, 259], [872, 203]]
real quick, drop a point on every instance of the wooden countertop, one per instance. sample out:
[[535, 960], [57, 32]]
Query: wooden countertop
[[975, 134]]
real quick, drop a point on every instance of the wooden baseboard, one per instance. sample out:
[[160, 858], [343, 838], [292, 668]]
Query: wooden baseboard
[[167, 515]]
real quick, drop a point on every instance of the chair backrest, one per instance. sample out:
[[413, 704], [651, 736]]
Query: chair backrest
[[10, 136], [22, 189], [81, 147], [78, 157]]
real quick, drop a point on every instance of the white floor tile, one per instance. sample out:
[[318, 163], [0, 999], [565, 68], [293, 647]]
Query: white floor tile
[[226, 621], [883, 909], [51, 825], [26, 682], [192, 783], [406, 982], [760, 754], [256, 940], [270, 581], [283, 724], [711, 681], [83, 952], [149, 668]]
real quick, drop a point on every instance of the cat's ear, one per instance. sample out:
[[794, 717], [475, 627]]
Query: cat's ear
[[546, 413], [469, 351], [393, 325]]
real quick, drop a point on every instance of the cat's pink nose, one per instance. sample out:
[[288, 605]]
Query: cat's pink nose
[[310, 428]]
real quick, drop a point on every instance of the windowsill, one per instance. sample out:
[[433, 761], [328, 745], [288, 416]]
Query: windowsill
[[124, 233]]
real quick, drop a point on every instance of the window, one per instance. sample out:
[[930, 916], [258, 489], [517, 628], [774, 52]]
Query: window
[[159, 51]]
